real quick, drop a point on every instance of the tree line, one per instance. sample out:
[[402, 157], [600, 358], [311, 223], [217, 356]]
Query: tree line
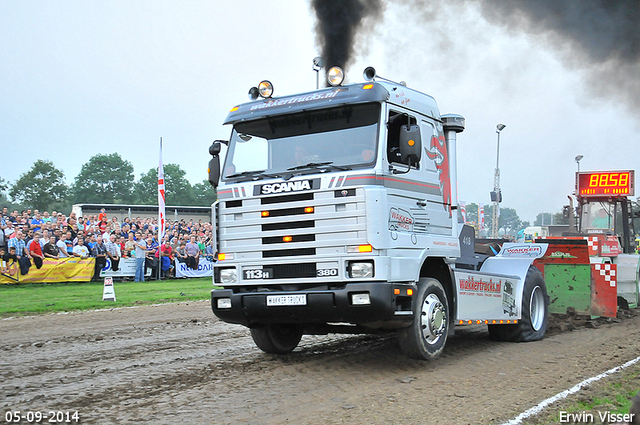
[[109, 179], [510, 224], [104, 179], [508, 221]]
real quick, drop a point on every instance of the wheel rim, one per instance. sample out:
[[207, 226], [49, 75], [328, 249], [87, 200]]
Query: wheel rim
[[434, 319], [536, 308]]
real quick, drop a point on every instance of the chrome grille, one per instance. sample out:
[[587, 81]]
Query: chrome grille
[[256, 239]]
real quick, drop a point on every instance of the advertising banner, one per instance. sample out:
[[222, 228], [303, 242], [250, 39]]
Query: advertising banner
[[485, 297], [72, 269], [205, 268], [126, 268]]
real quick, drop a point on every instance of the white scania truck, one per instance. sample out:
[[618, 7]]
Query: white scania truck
[[336, 212]]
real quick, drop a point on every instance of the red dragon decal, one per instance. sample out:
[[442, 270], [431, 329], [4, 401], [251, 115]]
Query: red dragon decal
[[438, 152]]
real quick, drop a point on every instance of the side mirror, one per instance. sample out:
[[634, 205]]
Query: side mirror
[[410, 144], [214, 163], [215, 148]]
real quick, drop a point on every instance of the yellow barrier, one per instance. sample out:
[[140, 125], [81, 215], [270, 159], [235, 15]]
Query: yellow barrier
[[71, 269]]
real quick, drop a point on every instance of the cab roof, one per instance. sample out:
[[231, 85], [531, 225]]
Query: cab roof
[[379, 91]]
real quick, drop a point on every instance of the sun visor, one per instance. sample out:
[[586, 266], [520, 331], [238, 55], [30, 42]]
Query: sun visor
[[330, 97]]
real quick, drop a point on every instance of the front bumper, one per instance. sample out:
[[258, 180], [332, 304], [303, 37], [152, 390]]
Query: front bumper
[[389, 307]]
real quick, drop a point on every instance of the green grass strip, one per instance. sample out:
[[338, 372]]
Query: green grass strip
[[38, 298]]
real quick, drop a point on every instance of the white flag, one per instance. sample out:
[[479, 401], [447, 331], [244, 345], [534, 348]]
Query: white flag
[[161, 200]]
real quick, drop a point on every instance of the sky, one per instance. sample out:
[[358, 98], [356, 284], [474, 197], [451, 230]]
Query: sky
[[81, 78]]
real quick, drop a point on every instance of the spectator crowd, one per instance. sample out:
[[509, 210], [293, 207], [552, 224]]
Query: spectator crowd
[[29, 237]]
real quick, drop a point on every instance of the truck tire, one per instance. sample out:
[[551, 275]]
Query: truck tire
[[277, 339], [426, 337], [535, 312]]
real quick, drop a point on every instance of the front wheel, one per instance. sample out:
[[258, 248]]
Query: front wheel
[[277, 339], [426, 337], [535, 312]]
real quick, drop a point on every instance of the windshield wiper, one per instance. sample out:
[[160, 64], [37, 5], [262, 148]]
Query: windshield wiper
[[317, 165], [252, 173]]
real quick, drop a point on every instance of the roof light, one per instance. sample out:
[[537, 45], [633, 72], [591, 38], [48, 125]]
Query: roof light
[[253, 93], [235, 108], [335, 76], [265, 88], [367, 87]]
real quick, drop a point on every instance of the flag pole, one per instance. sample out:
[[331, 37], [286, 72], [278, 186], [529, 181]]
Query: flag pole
[[161, 210]]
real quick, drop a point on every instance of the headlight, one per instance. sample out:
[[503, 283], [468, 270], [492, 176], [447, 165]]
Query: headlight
[[223, 302], [335, 76], [228, 276], [360, 299], [361, 269]]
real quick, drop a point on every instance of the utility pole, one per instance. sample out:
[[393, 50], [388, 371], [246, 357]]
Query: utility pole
[[496, 195]]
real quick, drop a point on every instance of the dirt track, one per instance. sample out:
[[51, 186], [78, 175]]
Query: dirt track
[[177, 363]]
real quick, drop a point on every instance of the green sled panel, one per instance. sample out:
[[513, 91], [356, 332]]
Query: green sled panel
[[568, 286]]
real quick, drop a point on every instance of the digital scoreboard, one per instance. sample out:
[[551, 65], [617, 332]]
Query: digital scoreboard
[[605, 184]]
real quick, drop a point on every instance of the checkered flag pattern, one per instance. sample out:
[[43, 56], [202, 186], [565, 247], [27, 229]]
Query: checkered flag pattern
[[608, 271], [592, 242]]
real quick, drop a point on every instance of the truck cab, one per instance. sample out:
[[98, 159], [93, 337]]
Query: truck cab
[[336, 213]]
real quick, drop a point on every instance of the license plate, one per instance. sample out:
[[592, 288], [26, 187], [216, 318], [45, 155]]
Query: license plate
[[278, 300], [258, 274]]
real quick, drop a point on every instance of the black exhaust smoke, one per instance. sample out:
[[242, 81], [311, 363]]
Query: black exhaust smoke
[[600, 36], [602, 30], [339, 22]]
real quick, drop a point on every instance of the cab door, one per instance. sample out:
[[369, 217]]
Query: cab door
[[414, 193]]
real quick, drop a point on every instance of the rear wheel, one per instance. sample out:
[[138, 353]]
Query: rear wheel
[[426, 337], [535, 313], [277, 339]]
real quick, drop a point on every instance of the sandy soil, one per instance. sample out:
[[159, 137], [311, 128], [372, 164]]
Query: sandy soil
[[177, 363]]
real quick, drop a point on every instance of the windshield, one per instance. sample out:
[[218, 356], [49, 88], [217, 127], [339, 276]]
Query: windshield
[[597, 217], [340, 138]]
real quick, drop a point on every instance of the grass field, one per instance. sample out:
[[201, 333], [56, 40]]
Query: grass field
[[37, 298], [612, 394]]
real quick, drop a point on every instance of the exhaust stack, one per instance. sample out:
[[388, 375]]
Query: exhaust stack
[[453, 124]]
